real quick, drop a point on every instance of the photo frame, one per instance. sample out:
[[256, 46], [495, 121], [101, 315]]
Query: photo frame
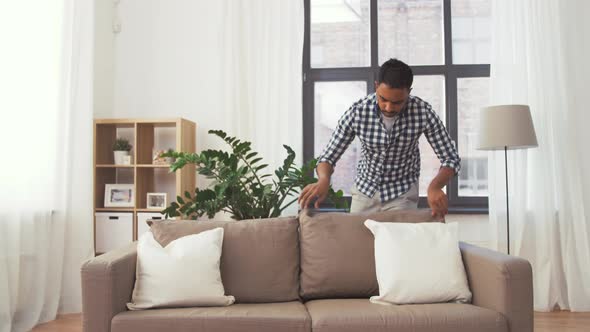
[[156, 200], [119, 195]]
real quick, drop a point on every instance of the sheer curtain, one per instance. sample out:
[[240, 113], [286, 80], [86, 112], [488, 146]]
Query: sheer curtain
[[540, 58], [263, 49], [45, 168]]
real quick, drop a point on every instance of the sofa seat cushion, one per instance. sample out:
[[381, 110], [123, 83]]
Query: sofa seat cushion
[[259, 259], [342, 315], [338, 255], [262, 317]]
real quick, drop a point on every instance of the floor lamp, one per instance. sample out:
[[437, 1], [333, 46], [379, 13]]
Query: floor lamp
[[506, 127]]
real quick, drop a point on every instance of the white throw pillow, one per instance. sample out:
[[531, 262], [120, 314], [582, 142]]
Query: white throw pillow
[[418, 263], [183, 274]]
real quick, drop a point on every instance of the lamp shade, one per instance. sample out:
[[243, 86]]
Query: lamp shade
[[506, 126]]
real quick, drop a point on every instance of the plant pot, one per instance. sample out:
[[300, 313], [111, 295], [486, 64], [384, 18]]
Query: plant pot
[[169, 160], [120, 157]]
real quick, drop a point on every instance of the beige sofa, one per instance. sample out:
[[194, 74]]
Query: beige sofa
[[312, 273]]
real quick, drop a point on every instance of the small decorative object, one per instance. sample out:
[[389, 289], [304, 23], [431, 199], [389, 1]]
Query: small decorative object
[[158, 159], [119, 195], [169, 160], [156, 200], [121, 148]]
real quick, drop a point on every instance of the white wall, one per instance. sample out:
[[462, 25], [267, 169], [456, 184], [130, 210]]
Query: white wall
[[163, 63], [167, 62], [103, 59], [473, 228]]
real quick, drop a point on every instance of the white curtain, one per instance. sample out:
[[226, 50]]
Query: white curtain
[[45, 168], [262, 76], [540, 53]]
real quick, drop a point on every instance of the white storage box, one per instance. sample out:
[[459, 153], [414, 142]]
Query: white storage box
[[143, 217], [113, 230]]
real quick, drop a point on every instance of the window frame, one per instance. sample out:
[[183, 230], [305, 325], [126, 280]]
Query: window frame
[[451, 72]]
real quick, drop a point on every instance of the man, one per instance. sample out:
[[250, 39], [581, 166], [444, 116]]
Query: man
[[388, 123]]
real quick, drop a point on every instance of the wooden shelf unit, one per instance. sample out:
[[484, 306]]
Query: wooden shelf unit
[[145, 135]]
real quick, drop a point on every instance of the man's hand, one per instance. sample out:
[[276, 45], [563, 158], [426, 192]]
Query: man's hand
[[317, 191], [438, 202], [437, 199]]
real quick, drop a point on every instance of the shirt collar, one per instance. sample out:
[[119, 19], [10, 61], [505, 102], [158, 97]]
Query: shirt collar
[[377, 112]]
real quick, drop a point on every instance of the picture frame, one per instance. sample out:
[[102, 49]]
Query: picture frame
[[156, 200], [119, 195]]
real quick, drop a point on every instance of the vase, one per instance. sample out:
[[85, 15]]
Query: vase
[[120, 157]]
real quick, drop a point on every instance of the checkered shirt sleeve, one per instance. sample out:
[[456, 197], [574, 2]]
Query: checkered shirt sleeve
[[341, 138], [441, 142]]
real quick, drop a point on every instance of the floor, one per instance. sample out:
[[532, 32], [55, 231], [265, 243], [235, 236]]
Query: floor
[[562, 321]]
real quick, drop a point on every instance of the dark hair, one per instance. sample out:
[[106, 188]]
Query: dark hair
[[396, 74]]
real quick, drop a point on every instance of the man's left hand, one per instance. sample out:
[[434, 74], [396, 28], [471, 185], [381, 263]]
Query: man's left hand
[[438, 202]]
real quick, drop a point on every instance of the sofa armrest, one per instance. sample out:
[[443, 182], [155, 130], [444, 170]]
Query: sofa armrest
[[107, 285], [502, 283]]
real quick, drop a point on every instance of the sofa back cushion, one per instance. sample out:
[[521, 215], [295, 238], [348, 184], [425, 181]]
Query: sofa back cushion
[[259, 258], [337, 252]]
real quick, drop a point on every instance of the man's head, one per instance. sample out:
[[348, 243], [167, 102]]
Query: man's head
[[393, 86]]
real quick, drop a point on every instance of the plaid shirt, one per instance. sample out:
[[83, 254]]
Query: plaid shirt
[[390, 163]]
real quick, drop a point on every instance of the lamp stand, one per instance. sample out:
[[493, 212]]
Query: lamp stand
[[507, 204]]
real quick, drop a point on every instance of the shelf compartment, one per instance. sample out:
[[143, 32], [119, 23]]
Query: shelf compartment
[[113, 230], [153, 137], [105, 136], [110, 175], [155, 180]]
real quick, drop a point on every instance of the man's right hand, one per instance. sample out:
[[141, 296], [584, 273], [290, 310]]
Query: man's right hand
[[318, 191]]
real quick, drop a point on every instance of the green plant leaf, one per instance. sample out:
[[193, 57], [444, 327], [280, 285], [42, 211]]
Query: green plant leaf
[[261, 167], [236, 182]]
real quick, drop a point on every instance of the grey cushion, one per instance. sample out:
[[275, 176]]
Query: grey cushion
[[342, 315], [337, 252], [259, 259]]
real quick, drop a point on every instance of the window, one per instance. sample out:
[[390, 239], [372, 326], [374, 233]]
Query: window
[[446, 42], [331, 100]]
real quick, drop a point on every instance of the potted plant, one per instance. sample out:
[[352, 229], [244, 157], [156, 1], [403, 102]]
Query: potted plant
[[169, 160], [121, 149], [239, 184]]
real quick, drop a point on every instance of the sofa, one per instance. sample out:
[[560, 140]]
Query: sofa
[[314, 272]]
